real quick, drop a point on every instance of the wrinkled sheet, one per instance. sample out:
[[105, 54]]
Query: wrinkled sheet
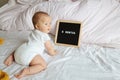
[[100, 18], [88, 62]]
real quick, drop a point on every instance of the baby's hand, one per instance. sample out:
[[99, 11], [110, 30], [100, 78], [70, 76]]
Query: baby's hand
[[53, 52]]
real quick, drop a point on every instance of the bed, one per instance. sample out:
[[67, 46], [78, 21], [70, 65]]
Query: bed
[[97, 58]]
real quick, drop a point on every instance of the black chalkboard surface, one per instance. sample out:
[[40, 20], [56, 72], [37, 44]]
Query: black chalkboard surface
[[68, 33]]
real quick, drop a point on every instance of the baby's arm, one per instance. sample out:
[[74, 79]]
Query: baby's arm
[[9, 60], [50, 48]]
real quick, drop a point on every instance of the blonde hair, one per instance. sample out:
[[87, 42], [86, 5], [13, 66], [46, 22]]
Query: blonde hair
[[37, 16]]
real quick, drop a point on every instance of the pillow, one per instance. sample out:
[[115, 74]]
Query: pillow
[[23, 21], [14, 17], [61, 0], [64, 0], [11, 2], [30, 2]]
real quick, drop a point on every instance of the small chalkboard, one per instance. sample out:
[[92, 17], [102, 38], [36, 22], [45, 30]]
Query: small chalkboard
[[68, 33]]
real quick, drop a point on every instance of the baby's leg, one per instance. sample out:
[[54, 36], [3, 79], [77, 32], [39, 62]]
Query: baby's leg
[[37, 64], [9, 60]]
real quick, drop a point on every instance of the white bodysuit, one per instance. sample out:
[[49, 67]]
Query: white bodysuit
[[35, 45]]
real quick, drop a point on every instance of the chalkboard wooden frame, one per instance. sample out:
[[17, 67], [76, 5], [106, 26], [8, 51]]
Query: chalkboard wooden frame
[[68, 33]]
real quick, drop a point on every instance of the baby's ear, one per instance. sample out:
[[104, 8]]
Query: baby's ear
[[36, 26]]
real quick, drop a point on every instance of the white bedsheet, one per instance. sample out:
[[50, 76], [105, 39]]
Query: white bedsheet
[[100, 18], [89, 62]]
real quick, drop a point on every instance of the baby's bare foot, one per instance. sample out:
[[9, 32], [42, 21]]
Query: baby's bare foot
[[23, 73], [9, 60]]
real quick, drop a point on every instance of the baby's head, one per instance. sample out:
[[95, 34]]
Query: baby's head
[[42, 21]]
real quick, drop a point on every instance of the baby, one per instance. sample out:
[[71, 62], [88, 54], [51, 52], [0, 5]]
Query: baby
[[30, 53]]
